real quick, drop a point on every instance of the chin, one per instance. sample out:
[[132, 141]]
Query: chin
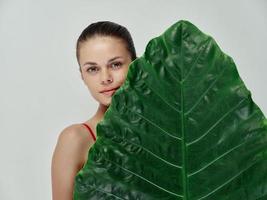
[[106, 103]]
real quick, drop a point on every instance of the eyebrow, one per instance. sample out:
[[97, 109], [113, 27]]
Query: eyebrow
[[93, 63]]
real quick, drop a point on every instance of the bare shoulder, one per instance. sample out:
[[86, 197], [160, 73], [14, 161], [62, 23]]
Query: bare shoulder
[[69, 155], [73, 141], [74, 133]]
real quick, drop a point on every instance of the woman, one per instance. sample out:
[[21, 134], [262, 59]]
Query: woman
[[104, 51]]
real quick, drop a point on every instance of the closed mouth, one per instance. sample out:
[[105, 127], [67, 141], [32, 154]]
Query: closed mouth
[[110, 90]]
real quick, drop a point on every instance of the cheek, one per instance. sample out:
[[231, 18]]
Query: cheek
[[121, 76], [90, 83]]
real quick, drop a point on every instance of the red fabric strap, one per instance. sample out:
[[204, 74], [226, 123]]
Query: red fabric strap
[[90, 130]]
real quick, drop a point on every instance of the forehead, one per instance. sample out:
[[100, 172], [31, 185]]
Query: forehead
[[100, 47]]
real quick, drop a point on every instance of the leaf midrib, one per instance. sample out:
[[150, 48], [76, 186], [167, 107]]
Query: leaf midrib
[[184, 150]]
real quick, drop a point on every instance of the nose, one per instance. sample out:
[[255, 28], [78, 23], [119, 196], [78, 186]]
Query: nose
[[106, 77]]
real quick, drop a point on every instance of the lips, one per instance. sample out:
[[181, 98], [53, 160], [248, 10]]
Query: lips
[[109, 92]]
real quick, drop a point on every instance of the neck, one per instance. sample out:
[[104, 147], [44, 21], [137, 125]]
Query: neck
[[100, 113], [98, 116]]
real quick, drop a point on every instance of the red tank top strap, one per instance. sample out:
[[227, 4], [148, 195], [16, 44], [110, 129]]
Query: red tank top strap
[[90, 130]]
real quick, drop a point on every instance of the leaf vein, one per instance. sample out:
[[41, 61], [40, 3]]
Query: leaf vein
[[153, 124], [155, 155], [137, 175], [213, 161], [212, 127], [173, 108], [204, 47], [150, 152], [105, 192], [228, 181], [207, 90]]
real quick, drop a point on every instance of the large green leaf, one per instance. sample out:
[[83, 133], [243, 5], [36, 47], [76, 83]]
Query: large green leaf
[[182, 126]]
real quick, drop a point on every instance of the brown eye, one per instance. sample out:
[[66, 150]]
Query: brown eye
[[92, 69], [116, 64]]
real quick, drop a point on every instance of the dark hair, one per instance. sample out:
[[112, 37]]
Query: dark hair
[[106, 28]]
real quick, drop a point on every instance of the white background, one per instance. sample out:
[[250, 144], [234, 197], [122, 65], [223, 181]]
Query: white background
[[41, 89]]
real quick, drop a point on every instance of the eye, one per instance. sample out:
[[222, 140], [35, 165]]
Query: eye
[[116, 64], [92, 69]]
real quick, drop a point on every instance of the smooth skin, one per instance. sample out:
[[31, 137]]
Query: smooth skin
[[104, 62]]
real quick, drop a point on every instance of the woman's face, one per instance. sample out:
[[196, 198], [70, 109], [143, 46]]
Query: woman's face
[[104, 62]]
